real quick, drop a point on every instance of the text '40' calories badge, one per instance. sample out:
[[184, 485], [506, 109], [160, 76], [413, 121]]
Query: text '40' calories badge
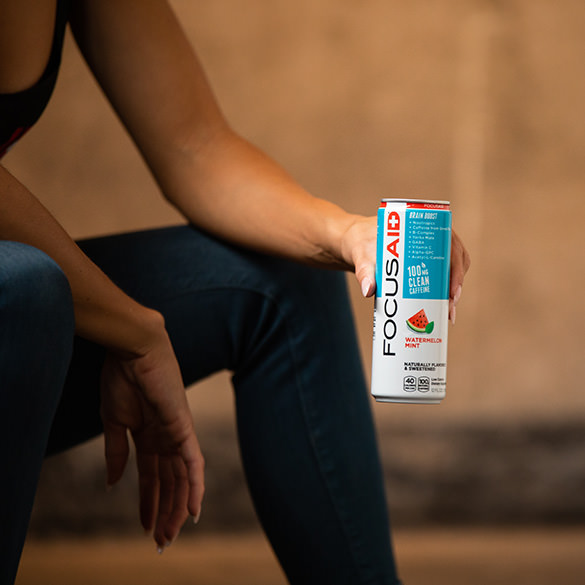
[[411, 311]]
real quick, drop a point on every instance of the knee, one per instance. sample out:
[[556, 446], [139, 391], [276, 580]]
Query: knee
[[305, 286], [294, 304], [313, 295], [34, 290], [316, 308]]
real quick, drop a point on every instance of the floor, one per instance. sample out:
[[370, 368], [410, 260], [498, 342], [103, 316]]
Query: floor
[[440, 557]]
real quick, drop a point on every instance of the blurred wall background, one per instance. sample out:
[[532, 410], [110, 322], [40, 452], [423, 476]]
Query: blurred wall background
[[478, 102]]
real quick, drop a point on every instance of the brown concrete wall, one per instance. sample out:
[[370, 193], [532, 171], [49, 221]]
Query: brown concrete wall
[[479, 102]]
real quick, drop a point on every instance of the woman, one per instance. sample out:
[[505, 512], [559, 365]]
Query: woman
[[186, 301]]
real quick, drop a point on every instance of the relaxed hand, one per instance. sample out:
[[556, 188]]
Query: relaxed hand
[[145, 395]]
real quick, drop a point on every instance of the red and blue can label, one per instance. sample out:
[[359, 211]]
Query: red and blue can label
[[411, 312]]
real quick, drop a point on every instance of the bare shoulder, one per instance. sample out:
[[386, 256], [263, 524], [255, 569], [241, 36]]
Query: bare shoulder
[[26, 36]]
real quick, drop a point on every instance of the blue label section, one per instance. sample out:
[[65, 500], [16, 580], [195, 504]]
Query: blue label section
[[379, 251], [427, 249]]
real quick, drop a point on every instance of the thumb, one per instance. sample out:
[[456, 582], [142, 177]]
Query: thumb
[[365, 273]]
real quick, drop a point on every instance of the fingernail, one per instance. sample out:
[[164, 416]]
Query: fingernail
[[457, 295], [453, 314], [366, 286], [197, 517], [160, 549]]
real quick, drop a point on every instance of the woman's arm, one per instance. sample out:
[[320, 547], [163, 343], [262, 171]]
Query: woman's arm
[[103, 313], [142, 388], [219, 181]]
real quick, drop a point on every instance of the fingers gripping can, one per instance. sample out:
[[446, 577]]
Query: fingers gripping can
[[411, 312]]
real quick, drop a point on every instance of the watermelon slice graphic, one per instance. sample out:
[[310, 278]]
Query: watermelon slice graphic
[[420, 323]]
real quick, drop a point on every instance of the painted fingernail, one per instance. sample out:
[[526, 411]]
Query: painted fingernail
[[453, 314], [197, 517], [366, 286], [457, 295]]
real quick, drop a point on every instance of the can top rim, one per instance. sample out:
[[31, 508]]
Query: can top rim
[[422, 201]]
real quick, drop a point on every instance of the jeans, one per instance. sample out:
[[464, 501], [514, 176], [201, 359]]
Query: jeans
[[286, 333]]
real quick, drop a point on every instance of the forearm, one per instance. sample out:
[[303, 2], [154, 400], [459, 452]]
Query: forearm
[[231, 188], [103, 313]]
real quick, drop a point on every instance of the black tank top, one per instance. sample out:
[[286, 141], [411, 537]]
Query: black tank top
[[20, 110]]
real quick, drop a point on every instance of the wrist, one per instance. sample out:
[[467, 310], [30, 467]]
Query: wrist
[[143, 331], [342, 230], [125, 327]]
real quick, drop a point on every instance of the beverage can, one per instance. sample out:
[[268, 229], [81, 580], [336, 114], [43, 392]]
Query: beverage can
[[411, 311]]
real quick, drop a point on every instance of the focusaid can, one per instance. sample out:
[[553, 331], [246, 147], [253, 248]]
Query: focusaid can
[[411, 311]]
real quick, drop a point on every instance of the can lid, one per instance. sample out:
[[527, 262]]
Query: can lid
[[418, 201]]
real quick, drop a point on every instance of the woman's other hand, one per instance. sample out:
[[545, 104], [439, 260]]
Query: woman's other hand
[[144, 394]]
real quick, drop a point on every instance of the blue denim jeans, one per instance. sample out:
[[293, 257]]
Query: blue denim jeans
[[286, 333]]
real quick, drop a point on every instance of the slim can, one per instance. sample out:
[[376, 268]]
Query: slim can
[[411, 311]]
